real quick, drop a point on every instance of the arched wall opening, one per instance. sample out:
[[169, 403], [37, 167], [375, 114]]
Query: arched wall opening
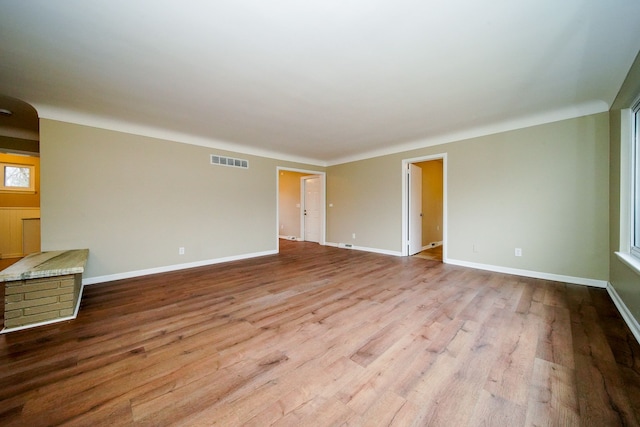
[[19, 179]]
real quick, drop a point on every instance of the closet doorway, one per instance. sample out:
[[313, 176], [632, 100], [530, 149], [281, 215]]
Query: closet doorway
[[424, 218], [301, 205]]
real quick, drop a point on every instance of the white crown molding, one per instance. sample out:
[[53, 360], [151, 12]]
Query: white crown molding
[[572, 112], [84, 119]]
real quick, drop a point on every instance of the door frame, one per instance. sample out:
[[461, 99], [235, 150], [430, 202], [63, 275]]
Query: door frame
[[323, 201], [405, 202], [414, 194]]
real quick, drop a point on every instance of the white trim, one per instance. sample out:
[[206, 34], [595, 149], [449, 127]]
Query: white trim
[[529, 273], [49, 322], [626, 184], [629, 319], [366, 249], [292, 238], [631, 261], [75, 311], [84, 119], [571, 112], [35, 325], [64, 115], [404, 250], [432, 245], [175, 267], [18, 190]]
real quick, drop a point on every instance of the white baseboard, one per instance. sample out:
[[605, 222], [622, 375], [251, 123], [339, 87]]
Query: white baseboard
[[432, 245], [629, 319], [294, 238], [49, 322], [363, 248], [529, 273], [175, 267]]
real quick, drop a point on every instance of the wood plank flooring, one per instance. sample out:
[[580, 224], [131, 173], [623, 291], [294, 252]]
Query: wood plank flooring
[[320, 336], [434, 254]]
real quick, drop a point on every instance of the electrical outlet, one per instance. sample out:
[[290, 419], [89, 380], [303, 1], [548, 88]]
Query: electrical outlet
[[180, 251], [353, 236], [518, 251]]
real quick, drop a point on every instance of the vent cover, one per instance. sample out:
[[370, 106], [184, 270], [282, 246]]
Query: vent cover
[[229, 161]]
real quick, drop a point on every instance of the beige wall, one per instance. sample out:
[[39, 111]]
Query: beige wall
[[543, 189], [431, 201], [133, 201], [366, 201], [289, 203], [624, 280]]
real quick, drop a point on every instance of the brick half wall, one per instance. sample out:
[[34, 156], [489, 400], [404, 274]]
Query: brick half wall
[[33, 301]]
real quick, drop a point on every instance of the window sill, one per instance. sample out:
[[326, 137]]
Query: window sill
[[630, 261], [18, 191]]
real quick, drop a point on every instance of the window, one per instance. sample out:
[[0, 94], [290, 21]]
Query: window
[[635, 223], [16, 177]]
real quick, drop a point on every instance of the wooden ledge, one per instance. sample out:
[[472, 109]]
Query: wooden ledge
[[47, 264]]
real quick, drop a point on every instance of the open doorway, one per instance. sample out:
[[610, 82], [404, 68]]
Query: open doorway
[[19, 184], [301, 205], [19, 180], [424, 219]]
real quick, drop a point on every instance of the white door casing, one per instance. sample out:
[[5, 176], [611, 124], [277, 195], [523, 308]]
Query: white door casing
[[415, 209], [405, 202]]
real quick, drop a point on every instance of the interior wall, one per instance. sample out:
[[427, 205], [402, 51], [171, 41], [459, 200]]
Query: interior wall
[[432, 199], [134, 200], [624, 279], [542, 189], [289, 203], [10, 144]]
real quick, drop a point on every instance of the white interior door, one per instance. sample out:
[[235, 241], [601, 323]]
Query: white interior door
[[311, 208], [415, 209]]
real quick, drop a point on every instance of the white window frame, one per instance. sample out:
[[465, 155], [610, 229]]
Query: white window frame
[[32, 178], [635, 181]]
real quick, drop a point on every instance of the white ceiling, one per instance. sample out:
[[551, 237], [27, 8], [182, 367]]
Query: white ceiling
[[323, 81]]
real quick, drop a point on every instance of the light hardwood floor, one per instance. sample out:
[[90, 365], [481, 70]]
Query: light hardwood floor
[[320, 336], [431, 253]]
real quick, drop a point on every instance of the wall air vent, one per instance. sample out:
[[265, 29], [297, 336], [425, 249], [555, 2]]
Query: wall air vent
[[229, 161]]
